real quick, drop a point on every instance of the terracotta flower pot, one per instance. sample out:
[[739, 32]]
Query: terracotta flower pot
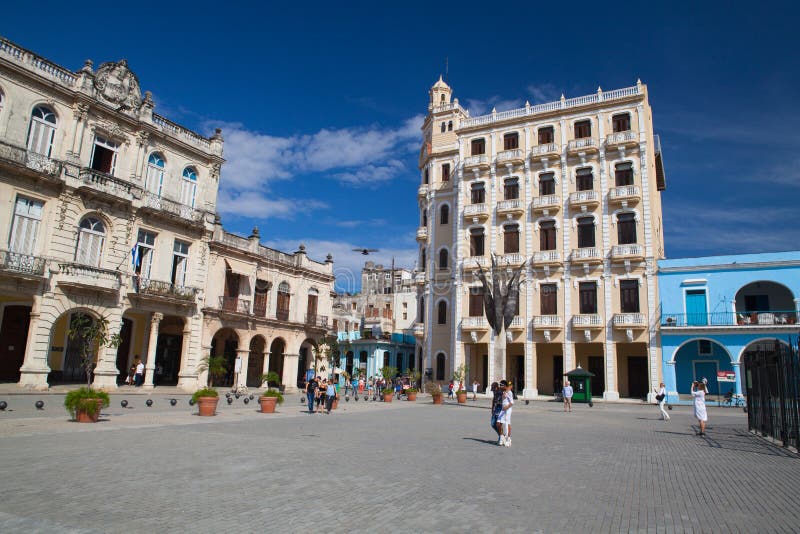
[[461, 397], [335, 404], [411, 395], [387, 397], [438, 399], [82, 416], [207, 406], [268, 404]]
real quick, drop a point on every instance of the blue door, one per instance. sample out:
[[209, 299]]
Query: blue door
[[696, 313]]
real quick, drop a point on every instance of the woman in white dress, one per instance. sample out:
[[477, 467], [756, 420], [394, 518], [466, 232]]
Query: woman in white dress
[[699, 395], [661, 397]]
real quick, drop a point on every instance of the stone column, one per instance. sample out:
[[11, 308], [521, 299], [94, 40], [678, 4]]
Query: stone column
[[611, 392], [244, 355], [531, 379], [150, 361], [289, 378], [34, 370], [670, 383], [187, 378], [106, 372]]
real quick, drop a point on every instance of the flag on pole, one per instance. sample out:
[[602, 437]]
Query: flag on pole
[[135, 258]]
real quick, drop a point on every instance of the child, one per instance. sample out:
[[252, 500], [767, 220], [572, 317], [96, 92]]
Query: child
[[504, 421]]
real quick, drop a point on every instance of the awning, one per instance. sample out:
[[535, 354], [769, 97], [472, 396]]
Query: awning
[[240, 267]]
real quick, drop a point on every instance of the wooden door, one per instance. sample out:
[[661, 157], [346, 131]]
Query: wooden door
[[13, 338]]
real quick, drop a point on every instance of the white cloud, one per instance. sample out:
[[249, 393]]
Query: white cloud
[[543, 93], [257, 205], [348, 264], [372, 175]]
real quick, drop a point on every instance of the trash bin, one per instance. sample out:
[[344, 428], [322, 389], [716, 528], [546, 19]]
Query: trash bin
[[581, 381]]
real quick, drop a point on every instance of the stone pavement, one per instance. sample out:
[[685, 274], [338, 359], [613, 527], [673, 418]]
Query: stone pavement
[[403, 466]]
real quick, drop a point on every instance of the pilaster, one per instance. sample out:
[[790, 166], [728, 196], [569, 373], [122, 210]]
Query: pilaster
[[152, 344], [34, 370]]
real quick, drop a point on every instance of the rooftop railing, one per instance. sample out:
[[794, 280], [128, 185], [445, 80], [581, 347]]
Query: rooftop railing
[[39, 64]]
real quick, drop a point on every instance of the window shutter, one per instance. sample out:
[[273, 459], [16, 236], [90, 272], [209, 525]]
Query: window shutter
[[180, 271]]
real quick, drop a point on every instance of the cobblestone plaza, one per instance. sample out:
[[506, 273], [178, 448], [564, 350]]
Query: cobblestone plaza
[[369, 466]]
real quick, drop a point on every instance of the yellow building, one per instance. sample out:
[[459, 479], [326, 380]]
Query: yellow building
[[108, 210], [569, 189]]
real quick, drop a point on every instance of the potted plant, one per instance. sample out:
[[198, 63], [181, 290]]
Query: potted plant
[[411, 392], [206, 399], [89, 332], [436, 392], [84, 404], [271, 397], [458, 376], [388, 373]]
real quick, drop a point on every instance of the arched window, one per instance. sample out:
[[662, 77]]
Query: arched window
[[189, 186], [444, 214], [440, 360], [282, 312], [444, 127], [424, 218], [91, 235], [42, 131], [443, 263], [441, 312], [441, 99], [155, 174]]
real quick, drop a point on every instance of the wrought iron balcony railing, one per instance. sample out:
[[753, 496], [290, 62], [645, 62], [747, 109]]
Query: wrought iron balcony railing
[[158, 288], [729, 318], [234, 304], [31, 160], [317, 320]]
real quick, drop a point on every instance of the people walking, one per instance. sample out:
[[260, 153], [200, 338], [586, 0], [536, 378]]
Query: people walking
[[321, 390], [567, 393], [311, 393], [475, 390], [661, 398], [450, 390], [504, 419], [138, 377], [497, 404], [330, 396], [700, 413]]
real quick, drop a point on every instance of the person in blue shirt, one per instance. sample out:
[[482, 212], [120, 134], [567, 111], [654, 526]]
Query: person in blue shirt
[[567, 394], [330, 396]]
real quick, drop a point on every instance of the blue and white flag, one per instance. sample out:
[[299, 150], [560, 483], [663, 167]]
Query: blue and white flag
[[135, 258]]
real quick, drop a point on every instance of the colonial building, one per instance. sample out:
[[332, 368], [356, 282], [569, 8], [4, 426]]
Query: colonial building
[[718, 310], [108, 209], [571, 191], [267, 307]]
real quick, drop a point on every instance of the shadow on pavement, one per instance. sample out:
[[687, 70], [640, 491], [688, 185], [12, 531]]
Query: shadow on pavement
[[486, 441], [735, 439]]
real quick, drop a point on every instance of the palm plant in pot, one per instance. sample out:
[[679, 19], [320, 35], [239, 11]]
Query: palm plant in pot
[[414, 376], [91, 333], [271, 396], [458, 376], [207, 398], [388, 373]]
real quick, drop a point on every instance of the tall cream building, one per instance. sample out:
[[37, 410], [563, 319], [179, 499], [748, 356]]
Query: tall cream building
[[571, 189], [108, 209]]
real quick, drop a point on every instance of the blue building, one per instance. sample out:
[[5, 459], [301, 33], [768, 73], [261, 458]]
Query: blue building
[[715, 309], [367, 356]]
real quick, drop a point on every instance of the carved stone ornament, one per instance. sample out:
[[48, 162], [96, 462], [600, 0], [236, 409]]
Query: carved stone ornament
[[118, 86]]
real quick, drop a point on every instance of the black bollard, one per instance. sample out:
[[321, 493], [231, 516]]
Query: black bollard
[[124, 403], [3, 405], [246, 400], [173, 402], [230, 400], [149, 402], [39, 405], [191, 402]]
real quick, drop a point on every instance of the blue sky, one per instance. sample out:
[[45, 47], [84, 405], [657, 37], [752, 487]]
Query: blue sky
[[320, 103]]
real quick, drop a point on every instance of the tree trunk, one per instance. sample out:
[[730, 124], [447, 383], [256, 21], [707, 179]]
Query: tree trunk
[[499, 357]]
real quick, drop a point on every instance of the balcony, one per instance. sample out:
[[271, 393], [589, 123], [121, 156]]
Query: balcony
[[622, 139], [476, 211], [517, 323], [419, 330], [587, 255], [158, 290], [473, 262], [20, 158], [511, 157], [587, 321], [744, 319], [511, 207], [627, 252], [625, 194], [586, 145], [99, 184], [22, 266], [474, 323], [234, 305], [170, 209], [579, 199], [84, 277], [476, 162], [547, 257], [423, 190], [546, 204], [317, 321], [549, 150], [422, 233], [511, 259], [625, 321], [547, 322]]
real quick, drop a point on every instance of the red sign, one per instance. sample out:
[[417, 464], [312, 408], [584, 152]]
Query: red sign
[[726, 376]]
